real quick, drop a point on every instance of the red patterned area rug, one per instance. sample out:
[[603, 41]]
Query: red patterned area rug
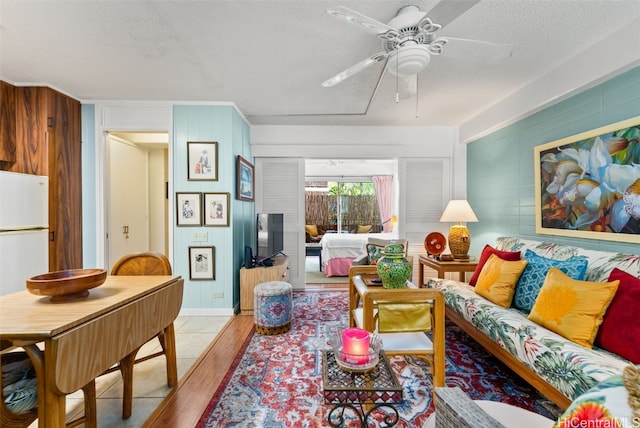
[[277, 380]]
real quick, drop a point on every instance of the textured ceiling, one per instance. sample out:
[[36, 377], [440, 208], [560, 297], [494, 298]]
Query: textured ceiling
[[269, 57]]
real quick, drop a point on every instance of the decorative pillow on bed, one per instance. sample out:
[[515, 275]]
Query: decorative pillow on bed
[[497, 281], [484, 256], [621, 322], [533, 276], [572, 308]]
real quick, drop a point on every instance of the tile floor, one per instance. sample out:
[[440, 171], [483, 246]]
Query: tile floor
[[193, 335]]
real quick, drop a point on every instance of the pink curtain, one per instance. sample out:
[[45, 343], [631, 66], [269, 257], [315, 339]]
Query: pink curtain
[[383, 184]]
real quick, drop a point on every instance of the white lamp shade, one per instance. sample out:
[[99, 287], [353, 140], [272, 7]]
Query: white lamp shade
[[458, 210]]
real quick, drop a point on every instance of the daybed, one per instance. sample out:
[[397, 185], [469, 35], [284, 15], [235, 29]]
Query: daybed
[[339, 250], [556, 366]]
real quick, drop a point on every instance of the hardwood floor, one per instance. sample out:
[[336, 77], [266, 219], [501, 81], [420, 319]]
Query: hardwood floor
[[186, 403]]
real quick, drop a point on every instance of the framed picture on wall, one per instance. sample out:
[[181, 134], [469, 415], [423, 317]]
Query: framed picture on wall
[[245, 180], [216, 209], [588, 185], [202, 263], [202, 159], [188, 209]]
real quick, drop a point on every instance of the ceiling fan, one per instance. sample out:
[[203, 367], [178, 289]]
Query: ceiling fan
[[411, 38]]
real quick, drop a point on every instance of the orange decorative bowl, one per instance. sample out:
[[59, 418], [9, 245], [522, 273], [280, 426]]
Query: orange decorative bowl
[[435, 243], [65, 285]]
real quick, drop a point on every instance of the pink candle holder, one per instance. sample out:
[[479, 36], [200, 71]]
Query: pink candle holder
[[355, 345]]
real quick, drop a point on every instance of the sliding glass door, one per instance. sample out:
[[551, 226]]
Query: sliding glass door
[[342, 205]]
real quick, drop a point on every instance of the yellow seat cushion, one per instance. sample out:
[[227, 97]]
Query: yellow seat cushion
[[364, 229], [574, 309], [498, 279], [311, 229]]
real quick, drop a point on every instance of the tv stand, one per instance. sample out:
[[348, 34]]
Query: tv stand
[[265, 263], [249, 278]]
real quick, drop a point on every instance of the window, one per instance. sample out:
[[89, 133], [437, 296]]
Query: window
[[342, 205]]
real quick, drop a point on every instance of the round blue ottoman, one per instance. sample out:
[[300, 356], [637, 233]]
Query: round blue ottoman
[[272, 307]]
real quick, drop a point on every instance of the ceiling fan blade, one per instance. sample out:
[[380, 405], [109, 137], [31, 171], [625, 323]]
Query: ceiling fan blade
[[354, 69], [476, 50], [369, 24], [448, 10]]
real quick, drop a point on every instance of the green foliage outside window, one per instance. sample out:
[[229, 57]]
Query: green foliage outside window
[[351, 189]]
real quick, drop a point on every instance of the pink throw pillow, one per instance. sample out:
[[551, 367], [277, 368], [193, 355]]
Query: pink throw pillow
[[620, 329], [510, 256]]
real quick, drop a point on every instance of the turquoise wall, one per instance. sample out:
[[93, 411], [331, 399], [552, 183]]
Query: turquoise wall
[[500, 171], [224, 125]]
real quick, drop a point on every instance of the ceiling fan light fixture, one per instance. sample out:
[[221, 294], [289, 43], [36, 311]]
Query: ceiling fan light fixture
[[409, 60]]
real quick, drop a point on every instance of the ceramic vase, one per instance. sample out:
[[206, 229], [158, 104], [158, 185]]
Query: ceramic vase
[[393, 268]]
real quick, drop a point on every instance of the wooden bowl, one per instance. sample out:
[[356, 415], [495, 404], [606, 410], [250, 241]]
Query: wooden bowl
[[65, 285]]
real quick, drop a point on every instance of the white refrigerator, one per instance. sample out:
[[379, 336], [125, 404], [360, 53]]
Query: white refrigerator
[[24, 229]]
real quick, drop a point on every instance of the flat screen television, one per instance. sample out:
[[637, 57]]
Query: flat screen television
[[270, 236]]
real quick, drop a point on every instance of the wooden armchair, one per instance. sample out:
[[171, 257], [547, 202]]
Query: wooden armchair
[[146, 263], [401, 317]]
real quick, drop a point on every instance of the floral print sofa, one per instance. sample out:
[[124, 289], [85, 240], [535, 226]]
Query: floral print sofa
[[560, 369]]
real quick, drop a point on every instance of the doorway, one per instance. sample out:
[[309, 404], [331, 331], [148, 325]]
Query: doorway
[[340, 197], [137, 202]]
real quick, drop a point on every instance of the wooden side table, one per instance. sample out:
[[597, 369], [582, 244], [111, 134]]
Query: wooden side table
[[442, 267]]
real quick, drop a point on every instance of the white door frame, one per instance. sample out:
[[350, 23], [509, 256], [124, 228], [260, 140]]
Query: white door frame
[[133, 117]]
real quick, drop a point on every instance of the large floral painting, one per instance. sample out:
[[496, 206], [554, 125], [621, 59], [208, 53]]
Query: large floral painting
[[588, 185]]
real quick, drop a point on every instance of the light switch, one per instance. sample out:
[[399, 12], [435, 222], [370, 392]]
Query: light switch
[[200, 236]]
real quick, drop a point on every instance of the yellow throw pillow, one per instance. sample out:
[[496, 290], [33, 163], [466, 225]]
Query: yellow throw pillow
[[364, 229], [311, 229], [498, 279], [573, 309]]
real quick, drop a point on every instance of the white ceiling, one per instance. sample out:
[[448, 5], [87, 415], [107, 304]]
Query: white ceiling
[[269, 57]]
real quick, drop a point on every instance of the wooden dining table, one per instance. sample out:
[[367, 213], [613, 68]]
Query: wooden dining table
[[72, 342]]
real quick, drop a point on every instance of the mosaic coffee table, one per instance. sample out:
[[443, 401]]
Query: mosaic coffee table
[[362, 393]]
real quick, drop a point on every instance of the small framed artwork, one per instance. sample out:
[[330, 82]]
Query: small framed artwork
[[202, 263], [202, 161], [245, 182], [188, 209], [216, 209]]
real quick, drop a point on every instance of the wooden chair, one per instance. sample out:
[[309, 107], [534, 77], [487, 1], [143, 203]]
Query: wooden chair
[[146, 263], [410, 313], [9, 419]]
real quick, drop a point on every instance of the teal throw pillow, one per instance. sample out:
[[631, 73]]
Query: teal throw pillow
[[374, 252], [533, 276]]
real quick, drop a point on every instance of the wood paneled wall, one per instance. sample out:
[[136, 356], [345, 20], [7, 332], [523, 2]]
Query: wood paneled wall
[[47, 131]]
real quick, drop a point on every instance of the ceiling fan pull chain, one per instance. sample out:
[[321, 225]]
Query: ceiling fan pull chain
[[397, 78], [417, 95]]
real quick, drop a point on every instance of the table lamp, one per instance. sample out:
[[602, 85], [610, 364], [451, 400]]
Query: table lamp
[[459, 241]]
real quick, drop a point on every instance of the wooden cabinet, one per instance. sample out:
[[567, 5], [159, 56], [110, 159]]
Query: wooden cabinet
[[7, 123], [48, 142], [249, 278]]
